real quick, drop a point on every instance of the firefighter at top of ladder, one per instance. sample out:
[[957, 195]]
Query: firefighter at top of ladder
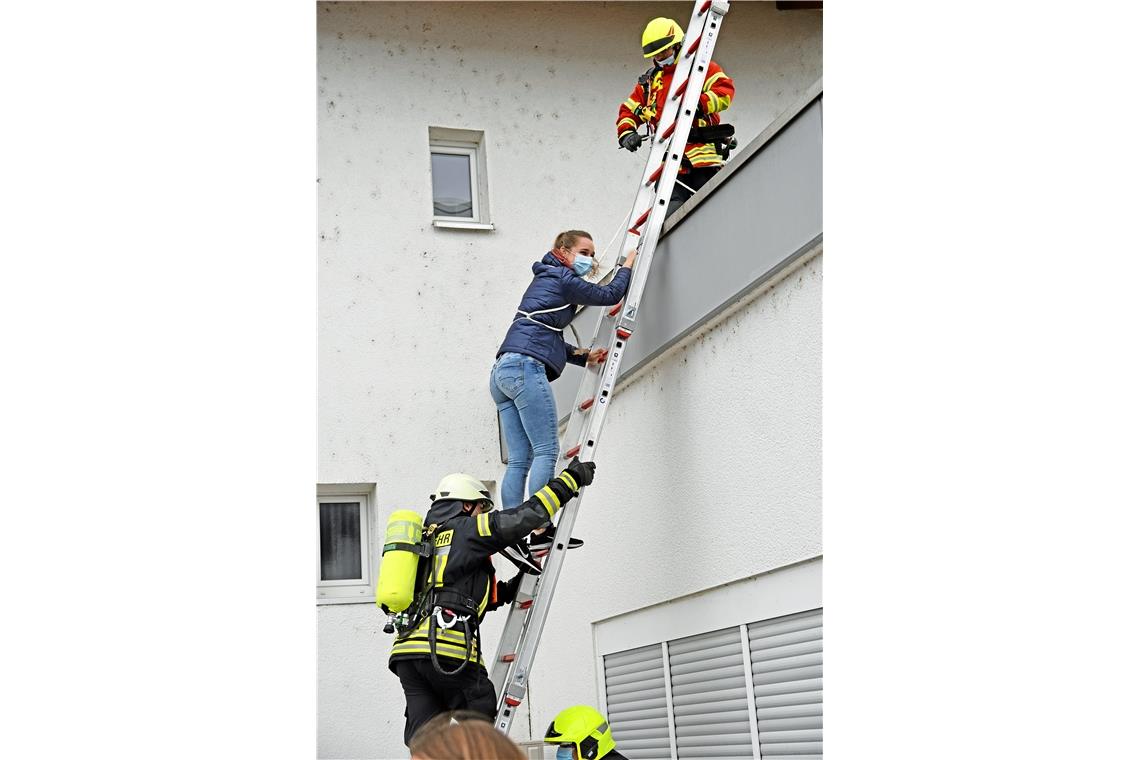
[[661, 41], [438, 656]]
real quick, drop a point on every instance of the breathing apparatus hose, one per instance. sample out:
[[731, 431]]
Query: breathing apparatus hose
[[433, 625]]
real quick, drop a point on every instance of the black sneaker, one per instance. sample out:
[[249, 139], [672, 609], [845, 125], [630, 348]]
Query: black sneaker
[[542, 544], [522, 558]]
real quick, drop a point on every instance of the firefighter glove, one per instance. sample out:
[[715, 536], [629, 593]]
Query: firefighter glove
[[582, 472], [631, 141]]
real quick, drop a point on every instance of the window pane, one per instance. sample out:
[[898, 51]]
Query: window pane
[[451, 184], [340, 541]]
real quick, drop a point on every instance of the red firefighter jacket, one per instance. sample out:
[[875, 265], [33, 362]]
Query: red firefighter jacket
[[642, 108]]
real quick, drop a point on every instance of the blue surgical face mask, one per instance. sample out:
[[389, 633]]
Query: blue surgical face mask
[[565, 753], [582, 265]]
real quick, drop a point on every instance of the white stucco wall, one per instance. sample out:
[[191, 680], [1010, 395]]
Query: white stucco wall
[[410, 316], [709, 471]]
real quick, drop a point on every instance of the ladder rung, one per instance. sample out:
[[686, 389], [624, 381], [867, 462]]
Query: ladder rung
[[693, 48], [526, 605], [623, 334], [705, 7], [512, 701], [641, 219], [653, 177], [616, 309], [681, 89], [586, 404], [509, 657], [668, 132], [573, 452], [633, 231]]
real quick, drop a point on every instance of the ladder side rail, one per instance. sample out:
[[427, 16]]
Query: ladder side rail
[[512, 633], [515, 689]]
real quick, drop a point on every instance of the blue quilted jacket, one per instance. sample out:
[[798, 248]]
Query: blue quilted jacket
[[556, 290]]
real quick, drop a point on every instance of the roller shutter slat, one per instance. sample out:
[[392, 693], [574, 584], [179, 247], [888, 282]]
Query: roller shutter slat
[[696, 705], [655, 709], [796, 749], [801, 710], [787, 650], [633, 667], [778, 688], [714, 680], [733, 660], [731, 649], [651, 653], [787, 676], [797, 723], [626, 735], [637, 687], [703, 642], [702, 719], [788, 663]]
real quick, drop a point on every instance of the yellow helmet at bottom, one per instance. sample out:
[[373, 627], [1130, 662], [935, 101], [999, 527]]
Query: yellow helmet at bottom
[[660, 33], [585, 728]]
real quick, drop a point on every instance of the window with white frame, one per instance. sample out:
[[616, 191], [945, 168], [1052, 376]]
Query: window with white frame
[[459, 187], [346, 543]]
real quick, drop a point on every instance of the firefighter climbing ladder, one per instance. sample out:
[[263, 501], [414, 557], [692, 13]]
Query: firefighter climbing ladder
[[519, 642]]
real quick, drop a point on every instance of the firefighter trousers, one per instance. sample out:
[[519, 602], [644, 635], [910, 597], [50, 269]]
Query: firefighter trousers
[[429, 693]]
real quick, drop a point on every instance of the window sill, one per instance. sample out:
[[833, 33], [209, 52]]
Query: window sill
[[346, 595], [459, 224]]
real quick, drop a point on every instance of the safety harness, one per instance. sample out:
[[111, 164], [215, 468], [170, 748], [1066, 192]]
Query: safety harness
[[529, 315]]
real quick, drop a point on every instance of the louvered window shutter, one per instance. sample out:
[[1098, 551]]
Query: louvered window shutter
[[787, 675], [710, 701], [635, 703]]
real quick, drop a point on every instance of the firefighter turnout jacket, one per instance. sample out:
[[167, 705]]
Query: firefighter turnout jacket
[[464, 575], [647, 100]]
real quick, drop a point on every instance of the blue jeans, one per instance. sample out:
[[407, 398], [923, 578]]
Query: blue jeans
[[529, 419]]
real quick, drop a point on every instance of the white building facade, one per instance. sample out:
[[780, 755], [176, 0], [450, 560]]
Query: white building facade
[[704, 520]]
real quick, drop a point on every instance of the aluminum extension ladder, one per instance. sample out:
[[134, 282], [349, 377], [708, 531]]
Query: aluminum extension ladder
[[519, 642]]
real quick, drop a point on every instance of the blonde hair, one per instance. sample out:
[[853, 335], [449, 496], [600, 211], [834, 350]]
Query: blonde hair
[[568, 238], [471, 737]]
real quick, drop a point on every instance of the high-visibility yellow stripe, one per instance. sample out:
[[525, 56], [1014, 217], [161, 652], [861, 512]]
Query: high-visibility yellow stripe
[[630, 103], [550, 509], [451, 637], [441, 649], [719, 102], [568, 479], [711, 80], [483, 524], [440, 567], [486, 595]]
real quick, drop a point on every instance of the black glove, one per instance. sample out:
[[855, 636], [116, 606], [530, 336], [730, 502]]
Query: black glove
[[631, 141], [582, 472]]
